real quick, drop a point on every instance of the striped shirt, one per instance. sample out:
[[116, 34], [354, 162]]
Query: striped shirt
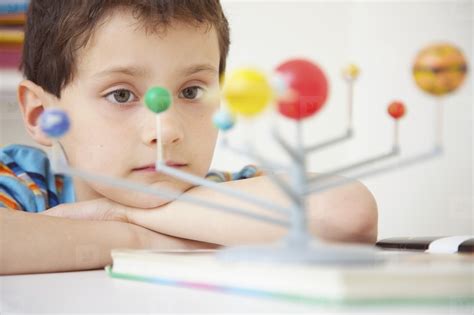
[[28, 183]]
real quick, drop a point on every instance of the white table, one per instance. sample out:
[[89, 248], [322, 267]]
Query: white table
[[94, 291]]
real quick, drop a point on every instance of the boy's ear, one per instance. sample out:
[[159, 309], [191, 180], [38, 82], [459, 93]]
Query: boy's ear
[[33, 101]]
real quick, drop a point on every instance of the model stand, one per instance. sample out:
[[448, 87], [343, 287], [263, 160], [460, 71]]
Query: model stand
[[299, 89]]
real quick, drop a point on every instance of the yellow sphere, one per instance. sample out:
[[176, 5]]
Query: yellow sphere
[[247, 92], [439, 69], [351, 72]]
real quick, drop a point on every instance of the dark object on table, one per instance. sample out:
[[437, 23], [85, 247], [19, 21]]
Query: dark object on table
[[451, 244]]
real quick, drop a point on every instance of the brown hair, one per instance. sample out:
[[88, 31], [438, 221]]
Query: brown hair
[[56, 29]]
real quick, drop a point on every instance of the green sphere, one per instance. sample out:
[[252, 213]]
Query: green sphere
[[158, 99]]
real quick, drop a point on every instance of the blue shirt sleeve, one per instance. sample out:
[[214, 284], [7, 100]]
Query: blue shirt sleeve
[[27, 182]]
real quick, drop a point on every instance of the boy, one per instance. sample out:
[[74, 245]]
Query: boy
[[96, 59]]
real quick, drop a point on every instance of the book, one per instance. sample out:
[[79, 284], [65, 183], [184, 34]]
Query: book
[[402, 278], [9, 59], [11, 35], [13, 6], [13, 19]]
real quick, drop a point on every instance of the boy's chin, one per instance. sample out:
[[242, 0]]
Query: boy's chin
[[135, 199], [142, 201]]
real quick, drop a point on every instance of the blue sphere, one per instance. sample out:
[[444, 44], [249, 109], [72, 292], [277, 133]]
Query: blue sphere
[[223, 120], [54, 122]]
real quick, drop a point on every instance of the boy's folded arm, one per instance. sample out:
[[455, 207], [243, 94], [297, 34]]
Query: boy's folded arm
[[347, 213], [32, 243]]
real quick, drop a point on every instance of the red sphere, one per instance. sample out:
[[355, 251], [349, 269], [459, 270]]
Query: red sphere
[[308, 82], [396, 109]]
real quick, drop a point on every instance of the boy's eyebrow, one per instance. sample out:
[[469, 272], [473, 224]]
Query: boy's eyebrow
[[139, 71], [198, 68], [129, 70]]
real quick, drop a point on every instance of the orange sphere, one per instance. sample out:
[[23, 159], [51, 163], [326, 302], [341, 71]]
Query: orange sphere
[[439, 69], [396, 109]]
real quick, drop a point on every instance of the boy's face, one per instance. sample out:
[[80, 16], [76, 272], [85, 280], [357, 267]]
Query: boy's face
[[113, 133]]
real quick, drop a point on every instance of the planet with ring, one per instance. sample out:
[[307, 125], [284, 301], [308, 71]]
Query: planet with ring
[[439, 69]]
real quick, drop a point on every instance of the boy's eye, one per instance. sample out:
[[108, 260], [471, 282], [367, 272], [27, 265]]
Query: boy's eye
[[121, 96], [191, 93]]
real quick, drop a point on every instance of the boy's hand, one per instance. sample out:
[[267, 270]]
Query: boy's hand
[[107, 210], [98, 209]]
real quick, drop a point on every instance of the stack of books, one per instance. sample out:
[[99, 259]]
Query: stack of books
[[12, 21]]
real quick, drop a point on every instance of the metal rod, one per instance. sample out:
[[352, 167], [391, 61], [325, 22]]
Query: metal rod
[[318, 146], [350, 102], [168, 194], [439, 123], [275, 179], [396, 134], [313, 181], [220, 188], [282, 185], [248, 154], [349, 131], [59, 161], [287, 189], [299, 225], [396, 165], [299, 138], [291, 152], [159, 142]]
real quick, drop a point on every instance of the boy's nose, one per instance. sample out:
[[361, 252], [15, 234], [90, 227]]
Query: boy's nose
[[171, 130]]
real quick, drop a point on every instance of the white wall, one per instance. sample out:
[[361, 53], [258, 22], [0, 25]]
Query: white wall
[[433, 198], [383, 37]]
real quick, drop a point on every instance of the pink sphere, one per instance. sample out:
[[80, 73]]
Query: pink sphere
[[310, 85]]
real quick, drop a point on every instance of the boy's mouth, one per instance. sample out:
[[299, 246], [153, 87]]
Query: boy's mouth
[[151, 167]]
